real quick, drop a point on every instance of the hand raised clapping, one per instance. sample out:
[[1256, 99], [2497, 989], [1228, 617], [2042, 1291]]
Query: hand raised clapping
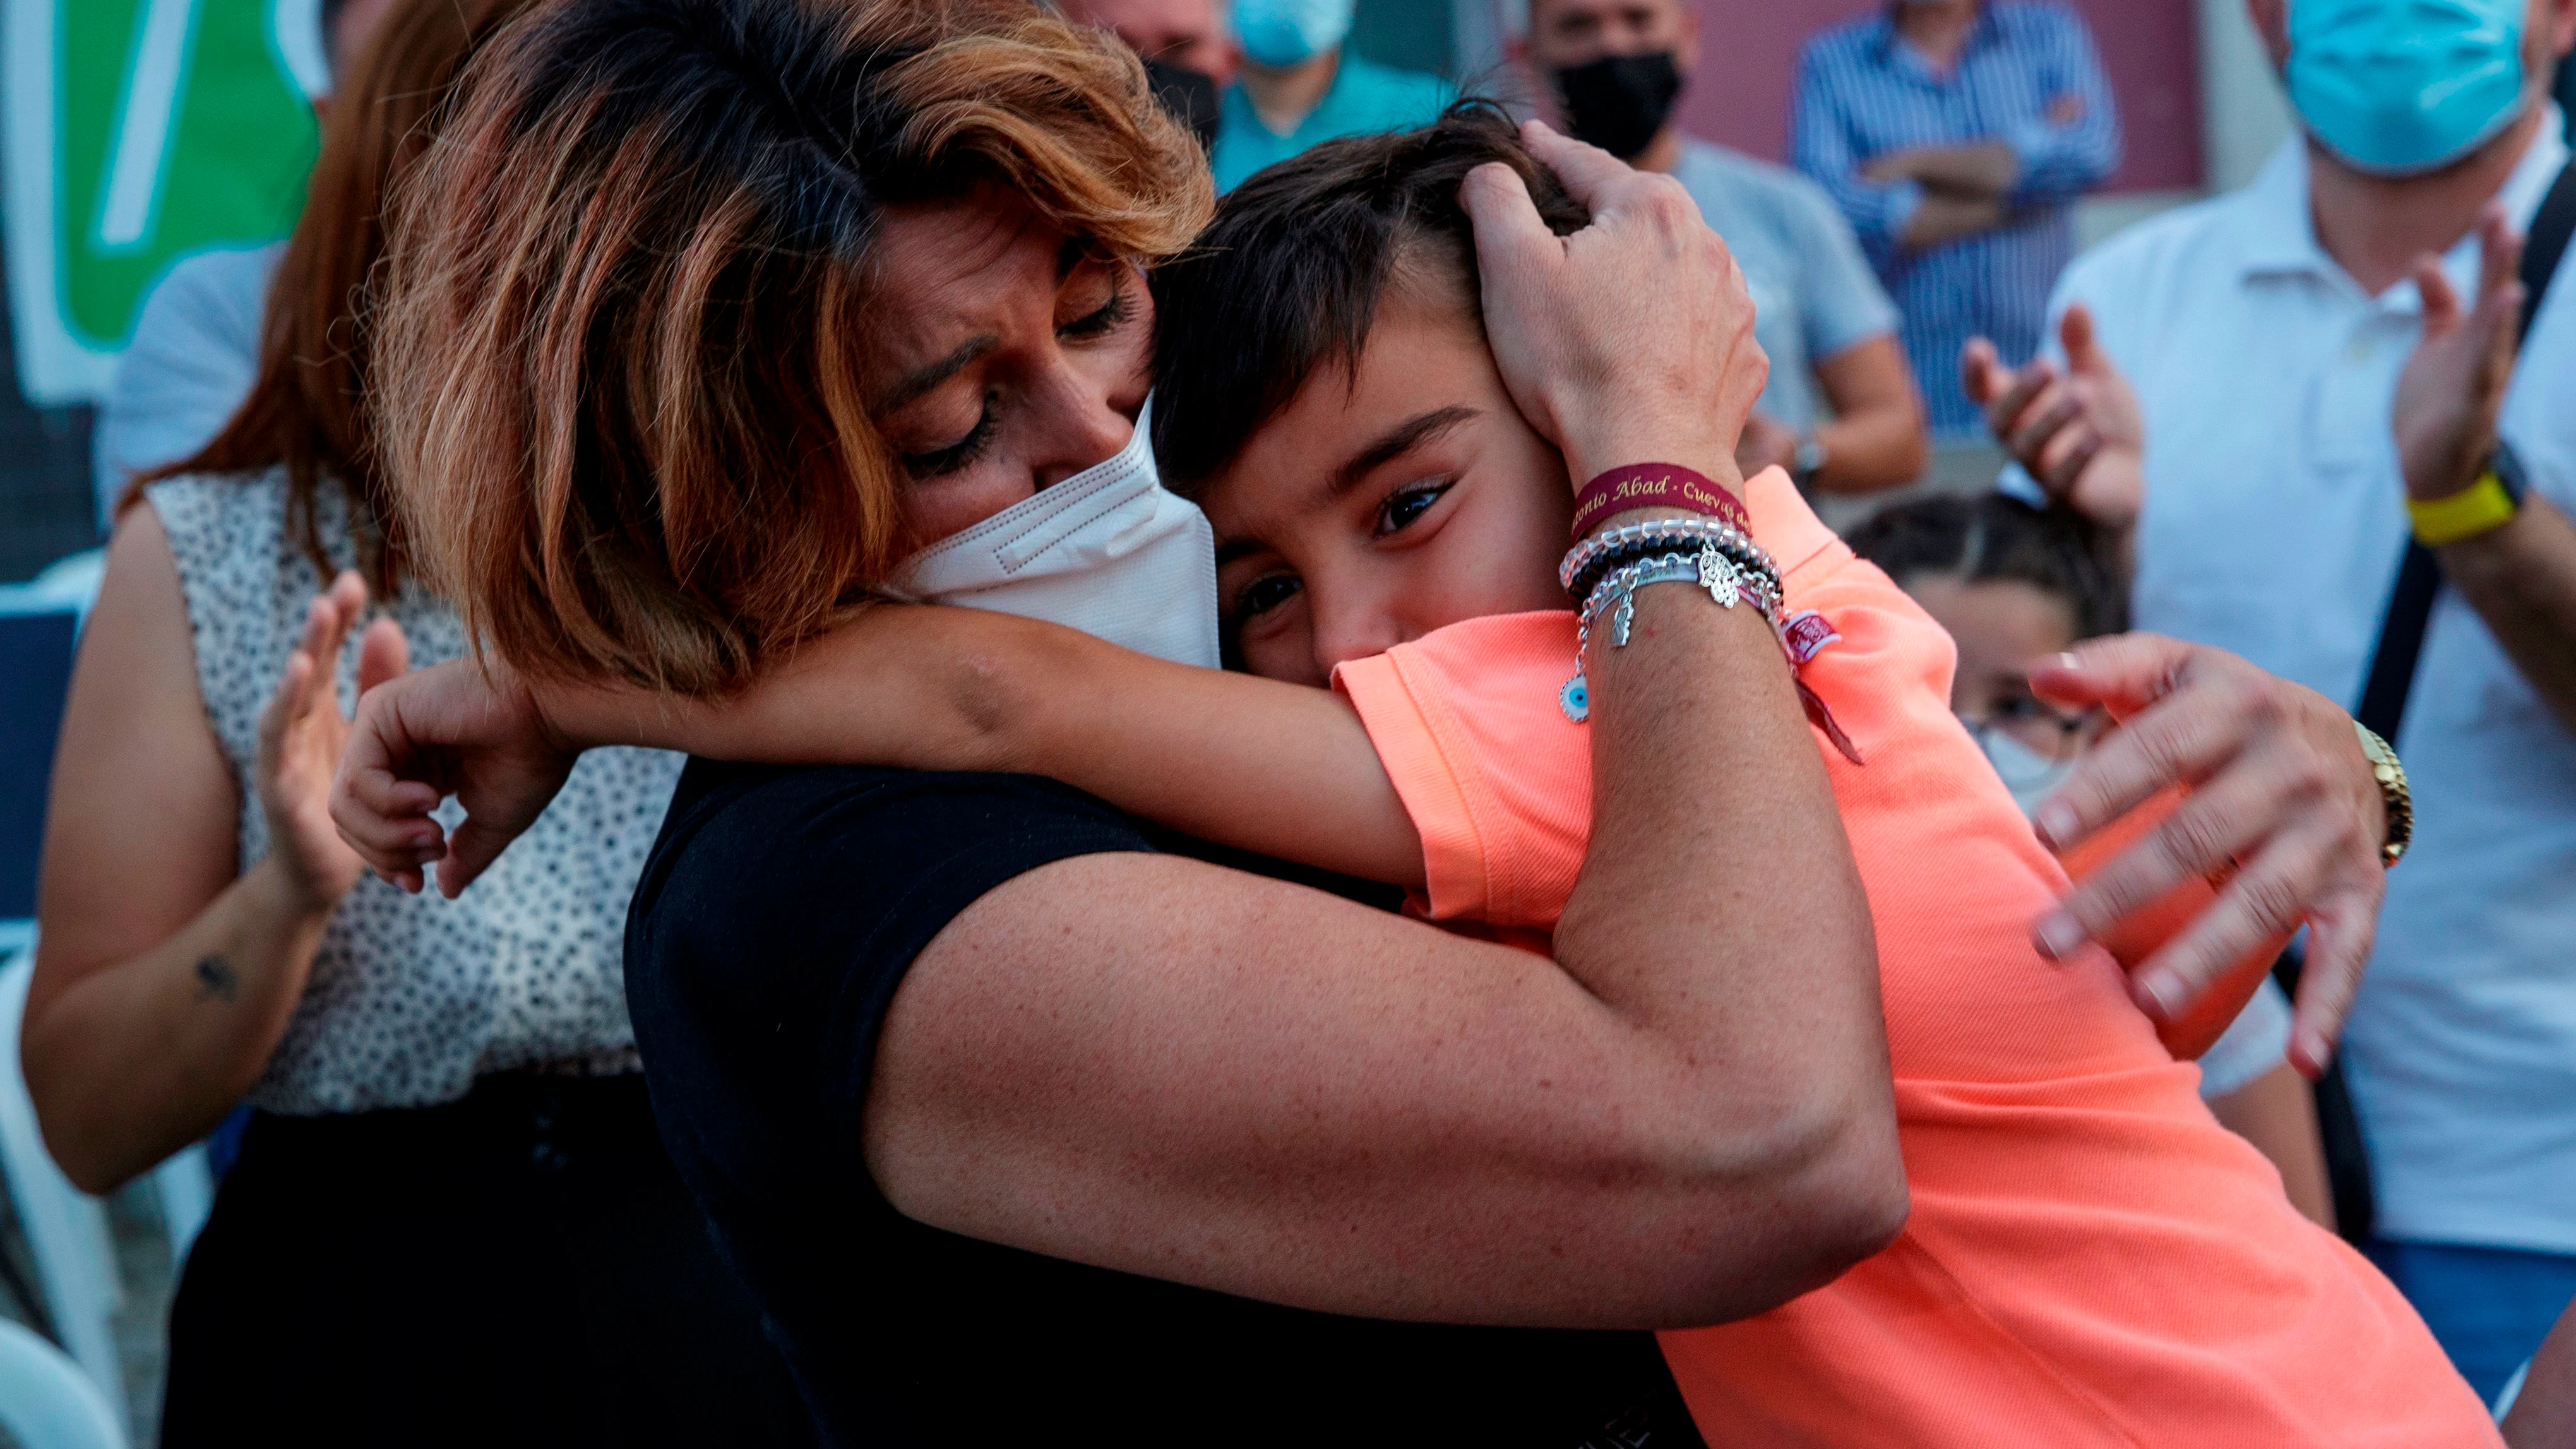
[[2077, 430], [301, 737]]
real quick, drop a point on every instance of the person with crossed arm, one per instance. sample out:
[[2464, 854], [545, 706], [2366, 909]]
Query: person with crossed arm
[[1957, 135]]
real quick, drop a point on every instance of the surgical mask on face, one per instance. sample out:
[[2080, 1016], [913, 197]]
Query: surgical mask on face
[[1283, 32], [2031, 776], [1108, 551], [1619, 102], [2402, 87]]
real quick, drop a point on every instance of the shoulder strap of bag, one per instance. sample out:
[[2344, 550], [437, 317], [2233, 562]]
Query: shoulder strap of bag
[[2419, 576]]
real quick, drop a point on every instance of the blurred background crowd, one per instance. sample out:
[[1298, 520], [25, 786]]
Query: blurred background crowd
[[1784, 86], [1908, 187]]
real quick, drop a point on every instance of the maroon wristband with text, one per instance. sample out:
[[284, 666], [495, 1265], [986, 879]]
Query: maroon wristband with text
[[1655, 485]]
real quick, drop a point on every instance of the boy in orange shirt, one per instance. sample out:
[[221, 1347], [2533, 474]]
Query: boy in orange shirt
[[2090, 1260]]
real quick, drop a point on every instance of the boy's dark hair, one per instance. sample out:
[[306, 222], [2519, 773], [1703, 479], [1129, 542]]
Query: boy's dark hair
[[1998, 538], [1288, 276]]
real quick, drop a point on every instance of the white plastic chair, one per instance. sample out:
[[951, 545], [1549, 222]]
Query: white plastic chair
[[46, 1402], [75, 1257], [70, 582], [67, 1228]]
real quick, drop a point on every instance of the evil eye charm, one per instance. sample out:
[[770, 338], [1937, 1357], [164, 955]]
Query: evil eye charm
[[1575, 699]]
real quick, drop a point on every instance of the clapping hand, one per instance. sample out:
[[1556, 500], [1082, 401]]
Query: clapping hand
[[302, 733], [2079, 431], [2452, 391]]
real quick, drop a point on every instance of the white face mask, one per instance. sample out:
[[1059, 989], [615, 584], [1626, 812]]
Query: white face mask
[[1107, 551], [2031, 776]]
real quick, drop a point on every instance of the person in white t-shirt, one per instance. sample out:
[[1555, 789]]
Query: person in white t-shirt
[[195, 349], [2227, 393]]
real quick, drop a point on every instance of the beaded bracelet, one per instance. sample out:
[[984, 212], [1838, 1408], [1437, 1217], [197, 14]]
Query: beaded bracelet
[[1595, 557]]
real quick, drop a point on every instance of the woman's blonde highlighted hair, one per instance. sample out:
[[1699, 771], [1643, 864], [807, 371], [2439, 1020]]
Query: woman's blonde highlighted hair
[[617, 351]]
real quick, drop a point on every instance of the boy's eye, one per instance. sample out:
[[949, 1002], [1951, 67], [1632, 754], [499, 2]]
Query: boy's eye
[[2015, 709], [1405, 505], [1266, 593]]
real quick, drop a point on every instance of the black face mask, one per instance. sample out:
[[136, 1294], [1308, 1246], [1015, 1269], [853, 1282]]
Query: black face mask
[[1190, 97], [1619, 102]]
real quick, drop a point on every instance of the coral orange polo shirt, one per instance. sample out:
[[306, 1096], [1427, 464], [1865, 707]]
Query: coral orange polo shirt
[[2091, 1259]]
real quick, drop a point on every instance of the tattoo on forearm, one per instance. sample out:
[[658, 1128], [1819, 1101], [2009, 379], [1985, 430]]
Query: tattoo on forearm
[[217, 981]]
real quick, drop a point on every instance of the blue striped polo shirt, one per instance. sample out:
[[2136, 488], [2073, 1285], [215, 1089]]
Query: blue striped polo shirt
[[1862, 92]]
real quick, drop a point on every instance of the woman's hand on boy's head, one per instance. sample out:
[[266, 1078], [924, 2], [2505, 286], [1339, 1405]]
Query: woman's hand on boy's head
[[2282, 796], [458, 729], [1628, 341]]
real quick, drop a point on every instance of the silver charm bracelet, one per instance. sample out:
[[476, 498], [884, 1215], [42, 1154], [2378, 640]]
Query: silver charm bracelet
[[1727, 581]]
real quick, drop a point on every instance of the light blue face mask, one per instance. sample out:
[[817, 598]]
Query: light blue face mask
[[1284, 32], [2031, 776], [2401, 87]]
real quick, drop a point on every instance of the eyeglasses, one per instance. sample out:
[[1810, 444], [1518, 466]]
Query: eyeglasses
[[2036, 725]]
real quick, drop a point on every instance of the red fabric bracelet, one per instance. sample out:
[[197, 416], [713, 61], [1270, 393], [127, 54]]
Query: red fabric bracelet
[[1655, 485]]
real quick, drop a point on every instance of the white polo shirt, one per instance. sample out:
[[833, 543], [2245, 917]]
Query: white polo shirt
[[2273, 526]]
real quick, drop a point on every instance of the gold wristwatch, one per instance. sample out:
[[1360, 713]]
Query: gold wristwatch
[[2392, 788]]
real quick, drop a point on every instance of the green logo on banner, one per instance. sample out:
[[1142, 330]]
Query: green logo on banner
[[143, 131]]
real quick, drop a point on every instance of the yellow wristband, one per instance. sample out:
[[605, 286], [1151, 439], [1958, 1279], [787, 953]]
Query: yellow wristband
[[2476, 509]]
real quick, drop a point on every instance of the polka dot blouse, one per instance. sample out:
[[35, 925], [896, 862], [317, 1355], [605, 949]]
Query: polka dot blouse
[[413, 997]]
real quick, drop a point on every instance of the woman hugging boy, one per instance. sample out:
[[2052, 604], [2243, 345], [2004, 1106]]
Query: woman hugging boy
[[2090, 1258]]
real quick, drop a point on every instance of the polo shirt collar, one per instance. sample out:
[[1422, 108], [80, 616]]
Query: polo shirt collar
[[2277, 228]]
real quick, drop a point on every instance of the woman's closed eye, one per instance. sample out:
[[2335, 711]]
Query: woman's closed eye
[[1406, 505], [1111, 316], [957, 455]]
